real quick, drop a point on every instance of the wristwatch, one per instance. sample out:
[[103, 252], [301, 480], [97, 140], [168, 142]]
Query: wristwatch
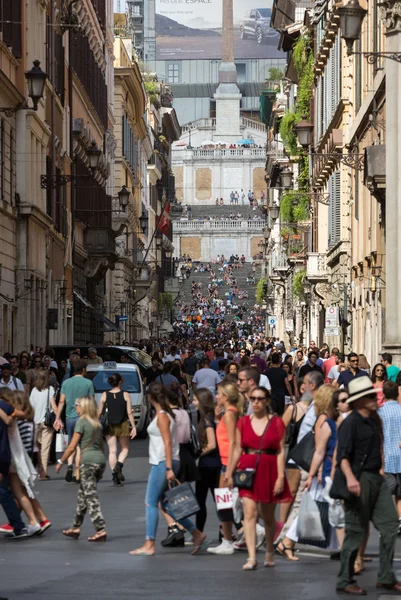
[[60, 462], [169, 469]]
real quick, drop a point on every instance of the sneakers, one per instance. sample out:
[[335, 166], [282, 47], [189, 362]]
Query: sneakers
[[240, 544], [225, 547], [69, 474], [34, 529], [175, 537], [260, 535], [17, 535], [44, 525], [6, 528]]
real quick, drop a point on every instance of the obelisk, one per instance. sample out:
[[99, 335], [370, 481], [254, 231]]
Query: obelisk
[[228, 96]]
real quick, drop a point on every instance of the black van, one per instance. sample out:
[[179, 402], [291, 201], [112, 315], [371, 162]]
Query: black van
[[111, 353]]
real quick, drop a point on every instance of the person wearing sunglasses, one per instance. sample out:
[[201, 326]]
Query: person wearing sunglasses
[[379, 376], [33, 372], [353, 372], [260, 445]]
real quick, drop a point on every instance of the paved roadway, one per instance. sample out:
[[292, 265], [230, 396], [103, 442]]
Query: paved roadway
[[53, 567]]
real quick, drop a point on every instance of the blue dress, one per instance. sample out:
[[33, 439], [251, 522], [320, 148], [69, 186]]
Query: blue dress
[[331, 445]]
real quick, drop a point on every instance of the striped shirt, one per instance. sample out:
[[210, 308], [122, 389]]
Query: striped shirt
[[26, 430], [390, 414]]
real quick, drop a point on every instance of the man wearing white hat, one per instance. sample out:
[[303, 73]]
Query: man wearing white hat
[[367, 496]]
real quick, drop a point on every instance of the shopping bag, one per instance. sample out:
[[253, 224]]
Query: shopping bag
[[309, 524], [182, 501], [224, 498], [337, 515], [238, 509], [61, 441]]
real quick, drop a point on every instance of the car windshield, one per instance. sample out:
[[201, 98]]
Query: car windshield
[[130, 384], [264, 12]]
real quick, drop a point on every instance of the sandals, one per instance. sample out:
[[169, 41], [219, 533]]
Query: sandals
[[269, 560], [72, 533], [100, 536], [202, 546], [140, 552], [286, 552], [250, 565]]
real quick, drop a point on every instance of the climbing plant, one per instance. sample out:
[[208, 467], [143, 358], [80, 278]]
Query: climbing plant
[[259, 290], [287, 132], [165, 301], [298, 284]]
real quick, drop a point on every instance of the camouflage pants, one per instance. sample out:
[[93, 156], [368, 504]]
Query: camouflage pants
[[88, 498]]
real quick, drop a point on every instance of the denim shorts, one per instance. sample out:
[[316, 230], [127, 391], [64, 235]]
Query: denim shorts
[[70, 426]]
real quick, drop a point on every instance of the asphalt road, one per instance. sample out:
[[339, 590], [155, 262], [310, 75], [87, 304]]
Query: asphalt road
[[54, 567], [189, 48]]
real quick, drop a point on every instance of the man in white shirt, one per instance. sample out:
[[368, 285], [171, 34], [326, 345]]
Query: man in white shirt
[[9, 381], [173, 355]]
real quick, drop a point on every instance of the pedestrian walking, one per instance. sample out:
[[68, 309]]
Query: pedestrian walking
[[367, 496], [42, 399], [120, 416], [88, 435]]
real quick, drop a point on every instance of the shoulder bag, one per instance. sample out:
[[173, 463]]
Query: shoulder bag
[[302, 453], [243, 478], [50, 417], [104, 417]]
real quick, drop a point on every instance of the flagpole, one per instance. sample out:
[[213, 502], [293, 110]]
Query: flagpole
[[159, 218]]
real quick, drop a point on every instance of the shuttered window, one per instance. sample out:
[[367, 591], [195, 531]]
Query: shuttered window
[[334, 208], [130, 151], [11, 26], [358, 77]]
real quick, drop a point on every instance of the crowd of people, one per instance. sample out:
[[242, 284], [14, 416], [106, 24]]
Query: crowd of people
[[280, 424]]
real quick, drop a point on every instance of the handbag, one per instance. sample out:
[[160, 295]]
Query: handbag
[[104, 418], [50, 417], [61, 441], [292, 428], [181, 500], [194, 444], [302, 453], [243, 478]]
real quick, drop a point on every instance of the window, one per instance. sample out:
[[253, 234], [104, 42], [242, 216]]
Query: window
[[173, 73], [10, 25], [334, 208], [2, 159]]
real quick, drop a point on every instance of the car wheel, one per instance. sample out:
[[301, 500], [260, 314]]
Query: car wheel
[[259, 35], [242, 33]]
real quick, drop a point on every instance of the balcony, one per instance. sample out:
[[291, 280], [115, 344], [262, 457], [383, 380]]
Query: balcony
[[297, 245], [316, 267], [227, 154], [155, 168], [278, 264]]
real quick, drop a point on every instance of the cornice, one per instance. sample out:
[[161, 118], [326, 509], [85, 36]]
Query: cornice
[[90, 26]]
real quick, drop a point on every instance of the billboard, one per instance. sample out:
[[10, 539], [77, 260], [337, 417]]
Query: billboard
[[192, 29]]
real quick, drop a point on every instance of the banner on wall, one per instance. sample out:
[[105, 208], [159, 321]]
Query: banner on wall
[[192, 29]]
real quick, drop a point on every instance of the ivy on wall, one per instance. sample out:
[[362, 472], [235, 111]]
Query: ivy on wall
[[298, 284]]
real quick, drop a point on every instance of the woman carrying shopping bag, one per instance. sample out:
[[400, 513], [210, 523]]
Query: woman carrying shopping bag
[[43, 402]]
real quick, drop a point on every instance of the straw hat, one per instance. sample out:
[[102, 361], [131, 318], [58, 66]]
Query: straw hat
[[360, 387]]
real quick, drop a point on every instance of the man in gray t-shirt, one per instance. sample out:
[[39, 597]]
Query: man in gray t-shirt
[[206, 377]]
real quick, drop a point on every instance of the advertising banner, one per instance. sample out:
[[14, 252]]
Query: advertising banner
[[192, 29]]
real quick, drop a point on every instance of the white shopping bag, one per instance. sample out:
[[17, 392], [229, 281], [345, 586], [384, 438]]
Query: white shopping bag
[[61, 442], [224, 498], [309, 524]]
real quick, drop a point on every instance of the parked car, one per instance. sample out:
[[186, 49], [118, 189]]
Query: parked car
[[113, 353], [132, 383], [256, 24]]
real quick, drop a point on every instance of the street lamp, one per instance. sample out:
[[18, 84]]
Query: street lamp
[[35, 79], [168, 253], [304, 131], [267, 233], [93, 153], [261, 246], [351, 18], [143, 221], [274, 211], [123, 197], [286, 178]]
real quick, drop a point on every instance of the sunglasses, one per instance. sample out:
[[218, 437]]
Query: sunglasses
[[244, 379], [257, 398], [354, 360]]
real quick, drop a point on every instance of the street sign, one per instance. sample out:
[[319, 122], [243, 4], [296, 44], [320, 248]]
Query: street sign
[[332, 319], [331, 331], [272, 321], [289, 325], [123, 318]]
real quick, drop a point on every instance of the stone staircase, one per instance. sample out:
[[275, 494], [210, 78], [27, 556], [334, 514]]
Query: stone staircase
[[240, 274]]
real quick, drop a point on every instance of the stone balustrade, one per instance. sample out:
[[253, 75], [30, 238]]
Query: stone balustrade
[[226, 224], [316, 266], [226, 153]]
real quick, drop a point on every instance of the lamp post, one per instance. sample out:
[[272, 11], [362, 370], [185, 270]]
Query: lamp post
[[286, 178], [51, 182], [35, 79]]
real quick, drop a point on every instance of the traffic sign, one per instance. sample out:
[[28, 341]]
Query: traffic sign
[[272, 321], [331, 331], [123, 318], [289, 325]]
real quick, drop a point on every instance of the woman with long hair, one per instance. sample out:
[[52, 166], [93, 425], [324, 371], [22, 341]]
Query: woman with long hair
[[176, 371], [33, 373], [325, 442], [231, 401], [164, 454], [120, 415], [292, 380], [89, 436], [209, 461], [260, 445], [232, 368], [363, 363], [42, 398], [379, 376]]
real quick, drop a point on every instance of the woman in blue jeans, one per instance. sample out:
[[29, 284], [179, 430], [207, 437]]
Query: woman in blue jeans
[[164, 455]]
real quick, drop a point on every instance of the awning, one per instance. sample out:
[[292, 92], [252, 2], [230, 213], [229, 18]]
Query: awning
[[108, 325], [83, 300]]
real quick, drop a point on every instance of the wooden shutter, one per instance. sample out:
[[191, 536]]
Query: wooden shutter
[[11, 26]]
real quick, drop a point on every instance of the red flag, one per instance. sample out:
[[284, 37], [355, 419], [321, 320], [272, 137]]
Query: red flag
[[164, 222]]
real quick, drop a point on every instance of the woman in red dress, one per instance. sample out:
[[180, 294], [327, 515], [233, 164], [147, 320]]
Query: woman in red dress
[[270, 485]]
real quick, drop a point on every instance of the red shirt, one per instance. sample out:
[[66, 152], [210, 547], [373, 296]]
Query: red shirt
[[326, 366]]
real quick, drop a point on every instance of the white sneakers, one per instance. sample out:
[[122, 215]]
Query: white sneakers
[[33, 529], [225, 547], [240, 544]]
